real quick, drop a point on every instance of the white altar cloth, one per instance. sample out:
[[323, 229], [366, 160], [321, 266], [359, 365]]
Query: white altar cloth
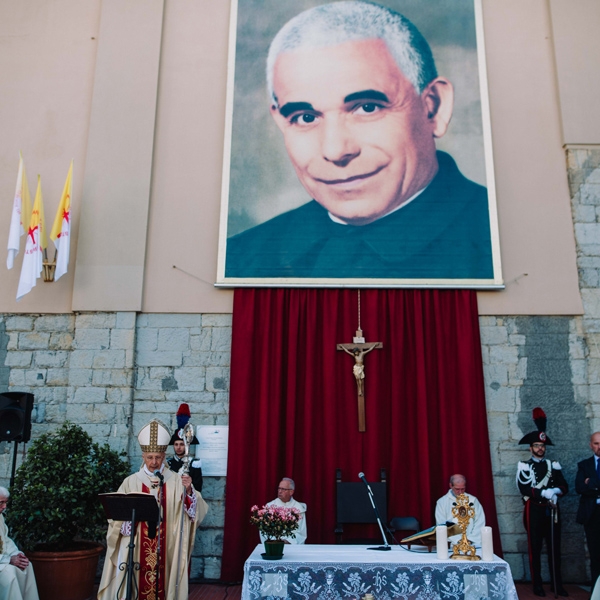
[[338, 572]]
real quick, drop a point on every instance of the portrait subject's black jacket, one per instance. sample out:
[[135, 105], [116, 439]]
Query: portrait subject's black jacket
[[443, 233]]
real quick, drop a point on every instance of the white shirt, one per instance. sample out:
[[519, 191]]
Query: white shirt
[[301, 531], [443, 513]]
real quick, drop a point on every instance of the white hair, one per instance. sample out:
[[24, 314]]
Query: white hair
[[456, 478], [290, 481], [338, 22], [4, 493]]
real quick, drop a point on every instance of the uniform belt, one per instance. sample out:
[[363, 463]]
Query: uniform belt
[[541, 502]]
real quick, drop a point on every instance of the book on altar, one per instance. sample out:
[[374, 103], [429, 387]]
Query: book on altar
[[427, 536]]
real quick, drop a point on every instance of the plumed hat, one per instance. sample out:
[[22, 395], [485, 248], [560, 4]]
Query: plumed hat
[[183, 416], [154, 437], [538, 436]]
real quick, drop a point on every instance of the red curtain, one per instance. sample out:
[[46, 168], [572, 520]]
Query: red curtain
[[293, 404]]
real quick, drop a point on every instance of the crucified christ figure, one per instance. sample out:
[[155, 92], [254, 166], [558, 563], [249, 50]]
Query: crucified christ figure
[[358, 351], [359, 366]]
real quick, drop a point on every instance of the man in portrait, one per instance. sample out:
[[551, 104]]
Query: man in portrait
[[355, 92]]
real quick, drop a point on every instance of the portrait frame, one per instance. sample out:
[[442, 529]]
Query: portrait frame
[[258, 180]]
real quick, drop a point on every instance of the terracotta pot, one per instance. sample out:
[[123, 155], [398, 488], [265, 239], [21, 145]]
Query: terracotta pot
[[66, 575]]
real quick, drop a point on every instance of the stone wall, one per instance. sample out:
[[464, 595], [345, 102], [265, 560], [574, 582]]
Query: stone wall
[[185, 358], [553, 362], [529, 362], [112, 373]]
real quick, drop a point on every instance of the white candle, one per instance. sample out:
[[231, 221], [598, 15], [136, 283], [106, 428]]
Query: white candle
[[487, 544], [441, 541]]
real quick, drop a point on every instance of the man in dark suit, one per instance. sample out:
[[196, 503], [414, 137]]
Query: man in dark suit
[[587, 483]]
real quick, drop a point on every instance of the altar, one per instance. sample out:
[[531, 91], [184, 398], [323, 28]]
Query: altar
[[336, 572]]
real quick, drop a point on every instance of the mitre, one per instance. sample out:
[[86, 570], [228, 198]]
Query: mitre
[[154, 437]]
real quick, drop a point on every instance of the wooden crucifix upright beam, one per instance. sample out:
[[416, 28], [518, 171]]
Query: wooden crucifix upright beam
[[357, 349]]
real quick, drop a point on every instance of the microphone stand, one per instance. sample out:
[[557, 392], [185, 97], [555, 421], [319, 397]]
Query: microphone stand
[[386, 546], [130, 563]]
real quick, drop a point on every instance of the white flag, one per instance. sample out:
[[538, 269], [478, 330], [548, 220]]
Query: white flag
[[33, 259], [21, 212], [61, 230]]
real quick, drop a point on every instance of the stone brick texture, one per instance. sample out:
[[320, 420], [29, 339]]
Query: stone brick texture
[[112, 372]]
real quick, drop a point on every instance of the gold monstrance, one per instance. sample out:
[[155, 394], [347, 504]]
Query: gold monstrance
[[464, 512]]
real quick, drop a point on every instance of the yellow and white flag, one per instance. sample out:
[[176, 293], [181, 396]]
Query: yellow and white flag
[[61, 230], [34, 246], [21, 211]]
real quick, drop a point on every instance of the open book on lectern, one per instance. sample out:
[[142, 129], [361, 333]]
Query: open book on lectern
[[427, 536]]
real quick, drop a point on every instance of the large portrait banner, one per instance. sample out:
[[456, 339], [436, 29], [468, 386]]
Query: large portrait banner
[[357, 147]]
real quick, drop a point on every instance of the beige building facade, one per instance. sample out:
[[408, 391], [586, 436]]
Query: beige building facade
[[135, 92]]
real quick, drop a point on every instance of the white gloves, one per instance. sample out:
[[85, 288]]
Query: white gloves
[[550, 493]]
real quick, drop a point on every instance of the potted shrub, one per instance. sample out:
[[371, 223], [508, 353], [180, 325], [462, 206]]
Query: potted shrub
[[54, 512], [275, 522]]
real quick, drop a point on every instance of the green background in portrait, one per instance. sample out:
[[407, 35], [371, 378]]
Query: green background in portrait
[[263, 183]]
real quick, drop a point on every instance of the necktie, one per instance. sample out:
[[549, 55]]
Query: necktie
[[598, 467]]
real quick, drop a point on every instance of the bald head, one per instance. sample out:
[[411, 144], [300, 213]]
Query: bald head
[[595, 443], [458, 484]]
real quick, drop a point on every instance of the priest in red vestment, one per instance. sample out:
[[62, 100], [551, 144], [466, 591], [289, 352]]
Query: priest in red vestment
[[182, 510]]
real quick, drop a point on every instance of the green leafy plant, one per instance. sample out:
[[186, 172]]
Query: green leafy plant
[[54, 501]]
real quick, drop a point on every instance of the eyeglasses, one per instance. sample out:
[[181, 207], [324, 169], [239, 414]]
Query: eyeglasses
[[285, 490], [538, 445]]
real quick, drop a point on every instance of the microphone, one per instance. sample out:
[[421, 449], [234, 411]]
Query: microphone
[[386, 546], [158, 474]]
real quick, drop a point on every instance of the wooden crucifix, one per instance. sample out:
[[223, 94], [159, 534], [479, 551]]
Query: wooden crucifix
[[357, 350]]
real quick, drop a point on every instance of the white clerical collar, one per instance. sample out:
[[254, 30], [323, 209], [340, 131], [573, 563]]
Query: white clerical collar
[[340, 222], [150, 473]]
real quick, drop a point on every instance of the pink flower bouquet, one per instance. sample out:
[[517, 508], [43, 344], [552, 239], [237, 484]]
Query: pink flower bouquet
[[275, 522]]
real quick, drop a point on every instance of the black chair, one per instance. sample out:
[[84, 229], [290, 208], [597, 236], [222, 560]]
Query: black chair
[[404, 526], [353, 506]]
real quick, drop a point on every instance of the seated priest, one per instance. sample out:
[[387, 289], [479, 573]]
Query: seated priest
[[182, 510], [17, 581], [285, 491], [443, 510]]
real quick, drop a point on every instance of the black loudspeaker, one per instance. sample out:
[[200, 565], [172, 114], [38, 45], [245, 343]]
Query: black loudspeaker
[[15, 416]]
